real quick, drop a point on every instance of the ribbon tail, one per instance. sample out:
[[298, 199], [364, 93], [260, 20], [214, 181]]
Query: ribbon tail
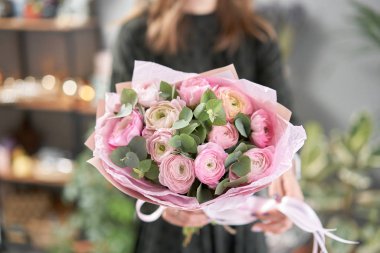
[[339, 239]]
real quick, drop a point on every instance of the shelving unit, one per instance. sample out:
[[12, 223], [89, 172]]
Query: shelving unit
[[44, 25], [33, 181], [36, 47]]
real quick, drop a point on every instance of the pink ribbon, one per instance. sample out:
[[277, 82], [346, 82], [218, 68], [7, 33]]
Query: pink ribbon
[[241, 211]]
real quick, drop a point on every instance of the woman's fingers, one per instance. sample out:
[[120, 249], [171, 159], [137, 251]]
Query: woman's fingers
[[184, 218], [272, 221], [275, 227]]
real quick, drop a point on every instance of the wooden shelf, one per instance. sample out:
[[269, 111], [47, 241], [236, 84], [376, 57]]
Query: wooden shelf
[[54, 106], [44, 25], [34, 181]]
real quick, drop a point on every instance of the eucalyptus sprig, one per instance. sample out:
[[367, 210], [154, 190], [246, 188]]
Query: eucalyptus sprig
[[128, 100]]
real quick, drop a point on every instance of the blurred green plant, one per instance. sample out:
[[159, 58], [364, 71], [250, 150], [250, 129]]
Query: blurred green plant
[[338, 181], [103, 215], [368, 21]]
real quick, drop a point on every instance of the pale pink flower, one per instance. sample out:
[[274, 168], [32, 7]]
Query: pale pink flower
[[148, 93], [262, 129], [261, 162], [234, 102], [125, 129], [158, 144], [177, 173], [209, 164], [192, 89], [225, 136], [163, 114]]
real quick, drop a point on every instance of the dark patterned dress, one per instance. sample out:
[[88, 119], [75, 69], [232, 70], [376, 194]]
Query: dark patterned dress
[[254, 60]]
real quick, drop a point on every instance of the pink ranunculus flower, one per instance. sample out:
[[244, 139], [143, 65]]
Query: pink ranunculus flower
[[262, 129], [234, 102], [158, 144], [125, 129], [146, 133], [163, 114], [261, 162], [192, 89], [148, 93], [177, 173], [225, 136], [209, 164]]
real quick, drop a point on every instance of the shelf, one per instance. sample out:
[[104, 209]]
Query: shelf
[[34, 181], [44, 25], [54, 106]]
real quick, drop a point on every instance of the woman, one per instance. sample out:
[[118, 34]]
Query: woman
[[196, 36]]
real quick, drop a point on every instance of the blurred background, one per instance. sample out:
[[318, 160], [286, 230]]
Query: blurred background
[[55, 63]]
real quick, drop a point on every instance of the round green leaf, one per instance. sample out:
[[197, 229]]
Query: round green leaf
[[232, 158], [243, 124], [179, 124], [188, 144], [237, 182], [221, 187], [242, 167], [186, 114], [131, 160], [118, 155], [153, 172], [145, 165], [129, 96], [175, 141], [203, 194], [138, 146], [190, 128], [208, 95]]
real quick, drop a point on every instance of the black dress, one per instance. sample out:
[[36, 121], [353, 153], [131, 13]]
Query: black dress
[[254, 60]]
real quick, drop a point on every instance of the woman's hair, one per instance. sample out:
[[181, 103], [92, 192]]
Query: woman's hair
[[167, 26]]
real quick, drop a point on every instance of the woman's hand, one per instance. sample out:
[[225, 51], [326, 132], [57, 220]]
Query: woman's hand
[[185, 218], [273, 221]]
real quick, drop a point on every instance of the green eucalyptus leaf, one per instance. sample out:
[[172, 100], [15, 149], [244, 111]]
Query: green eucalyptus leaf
[[117, 156], [190, 128], [243, 124], [138, 146], [193, 189], [242, 147], [242, 167], [237, 182], [232, 158], [203, 194], [215, 105], [131, 160], [220, 120], [125, 111], [201, 132], [188, 144], [175, 141], [208, 95], [221, 187], [179, 124], [153, 172], [136, 173], [186, 114], [165, 90], [128, 96], [145, 165], [196, 138], [199, 110]]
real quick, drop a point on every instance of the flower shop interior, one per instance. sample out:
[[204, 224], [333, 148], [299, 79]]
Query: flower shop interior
[[55, 65]]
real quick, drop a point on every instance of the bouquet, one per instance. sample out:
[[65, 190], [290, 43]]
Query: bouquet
[[194, 141]]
